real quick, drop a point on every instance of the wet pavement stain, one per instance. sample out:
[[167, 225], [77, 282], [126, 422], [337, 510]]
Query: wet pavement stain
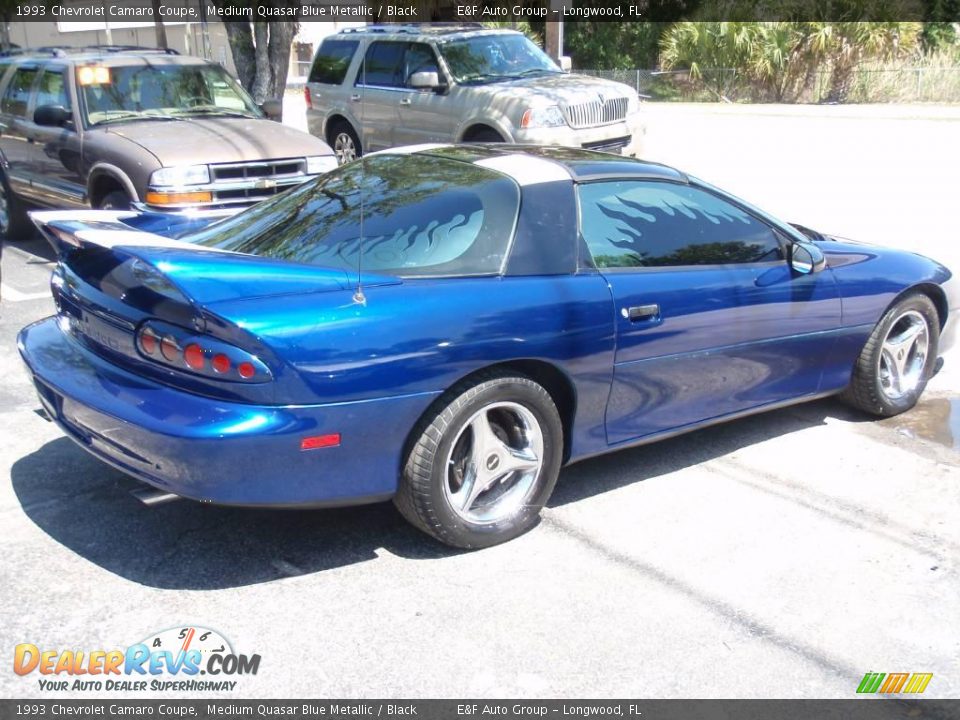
[[936, 419]]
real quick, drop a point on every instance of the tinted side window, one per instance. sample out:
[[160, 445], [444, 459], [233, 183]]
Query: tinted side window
[[18, 92], [332, 60], [383, 64], [657, 224], [433, 218], [52, 89]]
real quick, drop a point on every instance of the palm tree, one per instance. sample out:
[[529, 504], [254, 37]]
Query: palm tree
[[842, 46]]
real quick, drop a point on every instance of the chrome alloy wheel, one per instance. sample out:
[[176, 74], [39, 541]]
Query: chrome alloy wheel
[[344, 148], [494, 463], [903, 355]]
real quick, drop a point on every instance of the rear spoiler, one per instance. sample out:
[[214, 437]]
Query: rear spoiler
[[203, 275], [68, 229]]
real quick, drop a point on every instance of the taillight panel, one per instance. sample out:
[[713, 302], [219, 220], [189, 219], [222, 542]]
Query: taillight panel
[[183, 349]]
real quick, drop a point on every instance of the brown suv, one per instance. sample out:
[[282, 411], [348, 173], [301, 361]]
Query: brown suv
[[110, 127]]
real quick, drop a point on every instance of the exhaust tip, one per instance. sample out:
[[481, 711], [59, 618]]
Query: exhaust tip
[[152, 497]]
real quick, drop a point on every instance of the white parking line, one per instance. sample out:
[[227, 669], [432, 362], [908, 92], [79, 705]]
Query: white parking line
[[13, 295]]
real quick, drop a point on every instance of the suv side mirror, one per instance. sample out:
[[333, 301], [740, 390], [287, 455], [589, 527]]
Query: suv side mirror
[[51, 115], [424, 80], [806, 258], [566, 64], [273, 109]]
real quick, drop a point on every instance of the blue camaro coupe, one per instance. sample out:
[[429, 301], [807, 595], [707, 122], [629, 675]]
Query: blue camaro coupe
[[448, 326]]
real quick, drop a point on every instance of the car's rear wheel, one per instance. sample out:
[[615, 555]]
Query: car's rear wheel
[[898, 359], [115, 200], [481, 468], [345, 143], [14, 223]]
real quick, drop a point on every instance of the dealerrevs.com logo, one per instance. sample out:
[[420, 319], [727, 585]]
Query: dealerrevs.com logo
[[172, 660]]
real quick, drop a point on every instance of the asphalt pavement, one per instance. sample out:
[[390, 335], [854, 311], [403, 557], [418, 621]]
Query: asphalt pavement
[[783, 555]]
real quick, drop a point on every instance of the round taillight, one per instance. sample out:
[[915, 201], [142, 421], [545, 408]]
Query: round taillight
[[148, 341], [193, 356], [169, 348], [221, 363], [246, 370]]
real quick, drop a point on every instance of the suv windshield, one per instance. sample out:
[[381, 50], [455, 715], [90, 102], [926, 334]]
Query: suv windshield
[[490, 58], [422, 216], [145, 91]]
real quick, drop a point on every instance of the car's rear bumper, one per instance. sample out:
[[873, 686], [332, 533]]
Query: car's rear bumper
[[213, 450]]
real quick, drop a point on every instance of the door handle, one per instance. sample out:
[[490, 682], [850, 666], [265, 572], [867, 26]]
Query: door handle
[[355, 98], [405, 101], [637, 313]]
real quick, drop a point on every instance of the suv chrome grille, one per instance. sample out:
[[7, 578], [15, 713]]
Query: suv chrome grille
[[255, 180], [591, 114]]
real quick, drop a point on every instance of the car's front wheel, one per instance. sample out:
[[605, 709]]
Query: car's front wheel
[[898, 359], [115, 200], [481, 468]]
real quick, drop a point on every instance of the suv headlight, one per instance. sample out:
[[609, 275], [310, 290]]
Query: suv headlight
[[317, 164], [181, 175], [544, 117]]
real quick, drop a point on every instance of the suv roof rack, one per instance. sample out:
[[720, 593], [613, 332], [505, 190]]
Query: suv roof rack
[[130, 48], [64, 50], [412, 28]]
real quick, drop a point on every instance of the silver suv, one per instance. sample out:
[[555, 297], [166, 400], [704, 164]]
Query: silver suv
[[430, 84]]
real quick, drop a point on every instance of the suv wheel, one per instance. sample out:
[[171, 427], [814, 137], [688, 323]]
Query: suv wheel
[[14, 223], [116, 200], [345, 143], [485, 135]]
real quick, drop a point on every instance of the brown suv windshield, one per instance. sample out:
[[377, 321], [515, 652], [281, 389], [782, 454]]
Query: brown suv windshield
[[152, 91]]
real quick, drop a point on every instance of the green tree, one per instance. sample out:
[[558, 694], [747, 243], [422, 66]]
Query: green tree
[[613, 46], [842, 46], [778, 59], [710, 46]]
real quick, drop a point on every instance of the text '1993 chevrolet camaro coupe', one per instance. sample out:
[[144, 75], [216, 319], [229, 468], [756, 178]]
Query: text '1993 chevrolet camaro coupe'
[[513, 310]]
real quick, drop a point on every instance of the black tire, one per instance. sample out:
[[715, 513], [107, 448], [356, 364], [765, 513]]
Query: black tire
[[424, 494], [114, 200], [14, 223], [869, 389], [344, 141], [485, 135]]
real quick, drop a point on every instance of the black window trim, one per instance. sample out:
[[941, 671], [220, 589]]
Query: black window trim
[[783, 239]]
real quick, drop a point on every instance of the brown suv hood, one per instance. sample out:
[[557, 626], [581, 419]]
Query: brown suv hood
[[191, 141]]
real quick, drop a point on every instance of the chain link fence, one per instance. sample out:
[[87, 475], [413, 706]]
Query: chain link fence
[[867, 85]]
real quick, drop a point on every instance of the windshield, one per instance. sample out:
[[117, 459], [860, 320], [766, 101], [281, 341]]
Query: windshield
[[422, 216], [489, 58], [160, 91]]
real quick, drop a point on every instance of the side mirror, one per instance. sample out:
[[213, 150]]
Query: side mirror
[[806, 258], [273, 109], [424, 80], [51, 115], [566, 64]]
